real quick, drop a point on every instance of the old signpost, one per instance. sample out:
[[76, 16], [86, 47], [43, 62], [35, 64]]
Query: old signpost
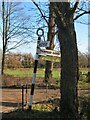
[[44, 55]]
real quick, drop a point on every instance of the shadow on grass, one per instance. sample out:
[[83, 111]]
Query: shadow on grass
[[9, 104], [39, 112], [84, 112], [32, 115]]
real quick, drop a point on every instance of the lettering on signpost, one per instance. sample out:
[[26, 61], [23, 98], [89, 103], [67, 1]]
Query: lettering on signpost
[[44, 44]]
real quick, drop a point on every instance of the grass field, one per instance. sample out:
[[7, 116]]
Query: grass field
[[29, 72], [40, 72]]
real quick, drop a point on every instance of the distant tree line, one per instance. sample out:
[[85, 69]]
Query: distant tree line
[[13, 60], [83, 60]]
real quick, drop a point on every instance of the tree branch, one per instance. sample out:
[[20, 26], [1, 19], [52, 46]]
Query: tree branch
[[18, 44], [58, 14], [85, 12], [40, 11], [75, 7]]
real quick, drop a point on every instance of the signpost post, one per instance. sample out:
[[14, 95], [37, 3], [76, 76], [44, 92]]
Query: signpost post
[[40, 33]]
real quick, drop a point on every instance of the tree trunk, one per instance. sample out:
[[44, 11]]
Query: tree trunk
[[51, 34], [3, 59], [5, 20], [88, 77], [69, 70], [48, 71], [3, 37]]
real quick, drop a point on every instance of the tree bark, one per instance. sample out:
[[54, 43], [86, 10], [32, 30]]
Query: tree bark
[[3, 37], [69, 70], [51, 35], [5, 20], [88, 77], [69, 60], [3, 59], [48, 71]]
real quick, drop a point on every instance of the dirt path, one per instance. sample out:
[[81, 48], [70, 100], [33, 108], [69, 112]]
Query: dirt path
[[12, 98]]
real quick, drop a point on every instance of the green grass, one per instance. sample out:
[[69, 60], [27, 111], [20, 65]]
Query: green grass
[[19, 72], [29, 72], [31, 115], [84, 85], [84, 70]]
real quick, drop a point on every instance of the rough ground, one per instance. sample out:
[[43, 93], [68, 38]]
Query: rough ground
[[12, 98]]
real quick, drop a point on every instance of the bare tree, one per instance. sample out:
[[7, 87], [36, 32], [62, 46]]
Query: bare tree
[[12, 26], [65, 16]]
